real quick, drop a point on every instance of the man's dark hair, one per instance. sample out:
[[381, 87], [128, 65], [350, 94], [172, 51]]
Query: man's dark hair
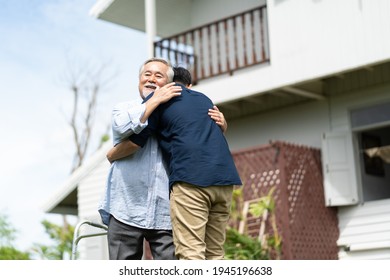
[[182, 76]]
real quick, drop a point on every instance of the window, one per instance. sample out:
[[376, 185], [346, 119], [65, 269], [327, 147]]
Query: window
[[371, 126], [356, 163]]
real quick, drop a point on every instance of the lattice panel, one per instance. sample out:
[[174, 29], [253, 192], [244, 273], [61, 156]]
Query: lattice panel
[[309, 230]]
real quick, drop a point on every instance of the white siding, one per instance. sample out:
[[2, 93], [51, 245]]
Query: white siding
[[365, 231], [301, 124], [90, 191]]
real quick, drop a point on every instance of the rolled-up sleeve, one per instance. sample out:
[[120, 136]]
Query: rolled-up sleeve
[[126, 120]]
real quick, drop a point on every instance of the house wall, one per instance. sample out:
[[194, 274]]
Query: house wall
[[310, 39], [365, 231], [305, 123], [90, 192], [290, 124], [365, 227], [341, 105]]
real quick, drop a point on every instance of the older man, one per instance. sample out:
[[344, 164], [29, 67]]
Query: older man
[[135, 205]]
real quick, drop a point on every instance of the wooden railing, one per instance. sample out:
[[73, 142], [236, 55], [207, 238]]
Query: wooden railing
[[219, 47]]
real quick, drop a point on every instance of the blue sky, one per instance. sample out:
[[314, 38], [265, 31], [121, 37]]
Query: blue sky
[[37, 147]]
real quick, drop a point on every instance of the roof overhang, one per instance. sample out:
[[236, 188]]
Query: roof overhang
[[316, 89], [131, 13]]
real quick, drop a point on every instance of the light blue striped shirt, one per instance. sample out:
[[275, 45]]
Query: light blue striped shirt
[[137, 191]]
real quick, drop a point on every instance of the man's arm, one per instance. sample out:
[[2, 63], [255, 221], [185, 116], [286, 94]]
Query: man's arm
[[131, 117], [127, 147], [160, 95], [218, 117], [125, 121], [123, 149]]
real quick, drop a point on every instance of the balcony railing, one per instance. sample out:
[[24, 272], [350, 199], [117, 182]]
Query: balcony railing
[[219, 47]]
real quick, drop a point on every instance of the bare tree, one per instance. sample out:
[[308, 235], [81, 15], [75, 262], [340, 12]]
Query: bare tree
[[86, 81]]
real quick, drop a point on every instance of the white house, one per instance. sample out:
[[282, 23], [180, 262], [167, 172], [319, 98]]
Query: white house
[[310, 72]]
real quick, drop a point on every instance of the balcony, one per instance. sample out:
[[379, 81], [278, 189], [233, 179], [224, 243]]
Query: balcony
[[220, 47]]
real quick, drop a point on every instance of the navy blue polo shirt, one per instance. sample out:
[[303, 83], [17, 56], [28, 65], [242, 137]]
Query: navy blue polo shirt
[[193, 145]]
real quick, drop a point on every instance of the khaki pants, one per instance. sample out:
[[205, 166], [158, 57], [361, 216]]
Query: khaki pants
[[199, 219]]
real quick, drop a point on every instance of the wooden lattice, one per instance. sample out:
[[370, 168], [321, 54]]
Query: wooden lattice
[[309, 230]]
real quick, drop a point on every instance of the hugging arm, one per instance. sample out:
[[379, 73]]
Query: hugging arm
[[160, 95], [126, 120], [133, 143], [128, 147], [129, 119], [132, 117], [123, 149], [218, 117]]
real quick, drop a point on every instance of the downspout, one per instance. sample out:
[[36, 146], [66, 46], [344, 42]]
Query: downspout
[[150, 25]]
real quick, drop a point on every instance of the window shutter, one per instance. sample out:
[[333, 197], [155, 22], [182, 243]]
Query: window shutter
[[340, 182]]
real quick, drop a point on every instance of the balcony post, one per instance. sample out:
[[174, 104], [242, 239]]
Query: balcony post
[[150, 25]]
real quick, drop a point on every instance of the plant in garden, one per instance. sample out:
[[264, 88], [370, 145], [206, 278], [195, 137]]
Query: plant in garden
[[239, 245]]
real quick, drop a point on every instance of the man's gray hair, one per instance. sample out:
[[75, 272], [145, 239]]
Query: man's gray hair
[[170, 72]]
